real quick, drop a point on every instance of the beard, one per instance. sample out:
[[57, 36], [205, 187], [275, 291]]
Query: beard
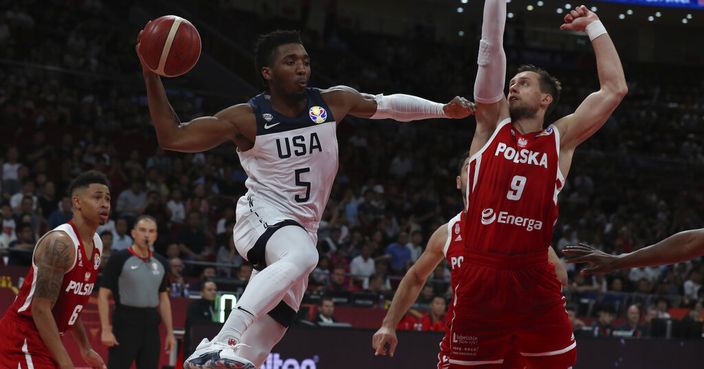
[[519, 112]]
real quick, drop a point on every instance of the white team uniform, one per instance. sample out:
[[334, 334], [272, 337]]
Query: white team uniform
[[290, 169]]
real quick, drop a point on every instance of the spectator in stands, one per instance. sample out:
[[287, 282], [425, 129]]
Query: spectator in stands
[[9, 225], [662, 307], [120, 239], [199, 311], [399, 255], [338, 281], [193, 240], [632, 327], [21, 249], [227, 254], [47, 200], [10, 171], [603, 326], [27, 191], [175, 276], [426, 295], [326, 309], [131, 202], [692, 285], [321, 273], [106, 237], [362, 266], [244, 273], [415, 245], [207, 274], [176, 208], [435, 319]]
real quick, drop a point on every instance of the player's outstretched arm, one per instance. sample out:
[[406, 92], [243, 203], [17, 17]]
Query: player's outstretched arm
[[593, 112], [53, 257], [679, 247], [400, 107], [384, 340], [198, 135], [492, 106]]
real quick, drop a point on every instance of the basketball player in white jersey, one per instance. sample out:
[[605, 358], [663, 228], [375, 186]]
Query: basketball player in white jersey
[[286, 141], [445, 243]]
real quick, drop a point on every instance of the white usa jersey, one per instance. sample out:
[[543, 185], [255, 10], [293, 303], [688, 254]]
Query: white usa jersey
[[293, 163]]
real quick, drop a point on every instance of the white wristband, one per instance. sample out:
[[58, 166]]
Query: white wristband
[[595, 29]]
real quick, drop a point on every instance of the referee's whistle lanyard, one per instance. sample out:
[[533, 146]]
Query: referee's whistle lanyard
[[144, 259]]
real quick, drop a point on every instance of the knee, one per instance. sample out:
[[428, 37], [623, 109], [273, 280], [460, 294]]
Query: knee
[[309, 259]]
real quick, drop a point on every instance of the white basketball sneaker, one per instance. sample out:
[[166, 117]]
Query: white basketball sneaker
[[216, 355]]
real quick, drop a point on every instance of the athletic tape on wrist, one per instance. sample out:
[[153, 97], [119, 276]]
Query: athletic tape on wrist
[[595, 29]]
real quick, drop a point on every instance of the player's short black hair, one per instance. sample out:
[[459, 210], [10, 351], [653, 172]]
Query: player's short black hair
[[548, 84], [267, 44], [86, 179]]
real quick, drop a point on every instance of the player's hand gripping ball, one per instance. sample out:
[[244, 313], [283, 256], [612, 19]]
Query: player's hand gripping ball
[[169, 46]]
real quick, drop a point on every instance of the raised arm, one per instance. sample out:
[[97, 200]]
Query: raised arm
[[54, 256], [198, 135], [408, 291], [345, 100], [491, 74], [677, 248], [593, 112]]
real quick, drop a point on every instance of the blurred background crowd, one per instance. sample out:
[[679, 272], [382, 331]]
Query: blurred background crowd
[[71, 99]]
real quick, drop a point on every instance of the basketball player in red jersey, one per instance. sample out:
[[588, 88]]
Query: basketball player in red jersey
[[446, 242], [57, 287], [506, 288]]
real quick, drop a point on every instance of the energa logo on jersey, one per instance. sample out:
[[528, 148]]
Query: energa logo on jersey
[[274, 361], [503, 217], [317, 114]]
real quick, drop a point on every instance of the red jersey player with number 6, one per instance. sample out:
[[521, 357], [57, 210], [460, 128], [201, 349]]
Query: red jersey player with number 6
[[64, 269], [506, 288]]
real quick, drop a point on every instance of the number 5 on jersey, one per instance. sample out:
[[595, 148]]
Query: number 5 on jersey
[[302, 183], [517, 185]]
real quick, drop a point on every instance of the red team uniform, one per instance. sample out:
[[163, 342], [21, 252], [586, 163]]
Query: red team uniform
[[506, 288], [453, 249], [21, 347]]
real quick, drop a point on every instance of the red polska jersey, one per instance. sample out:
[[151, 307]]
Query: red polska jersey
[[76, 288]]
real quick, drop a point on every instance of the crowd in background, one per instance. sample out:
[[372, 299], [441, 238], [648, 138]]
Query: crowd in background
[[634, 183]]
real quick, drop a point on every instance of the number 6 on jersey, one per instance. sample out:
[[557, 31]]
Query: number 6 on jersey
[[517, 185]]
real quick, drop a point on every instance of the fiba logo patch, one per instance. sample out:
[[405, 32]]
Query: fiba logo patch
[[317, 114], [488, 216]]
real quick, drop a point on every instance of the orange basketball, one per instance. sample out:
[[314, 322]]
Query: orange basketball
[[169, 46]]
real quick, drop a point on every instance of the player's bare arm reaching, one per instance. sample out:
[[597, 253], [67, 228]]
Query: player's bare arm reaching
[[384, 340], [593, 112], [679, 247], [54, 256]]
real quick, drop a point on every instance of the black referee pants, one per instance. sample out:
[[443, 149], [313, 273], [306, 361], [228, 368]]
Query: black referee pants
[[137, 332]]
